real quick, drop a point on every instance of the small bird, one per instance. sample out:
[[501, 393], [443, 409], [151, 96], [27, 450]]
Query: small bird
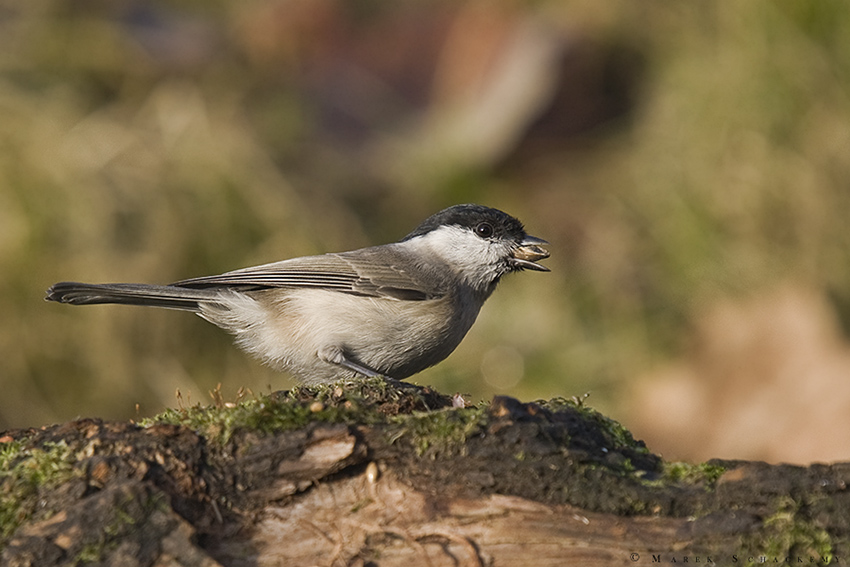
[[390, 310]]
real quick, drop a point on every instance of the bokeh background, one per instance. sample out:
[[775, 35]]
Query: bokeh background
[[688, 161]]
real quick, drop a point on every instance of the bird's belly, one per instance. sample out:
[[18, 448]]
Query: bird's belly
[[288, 328]]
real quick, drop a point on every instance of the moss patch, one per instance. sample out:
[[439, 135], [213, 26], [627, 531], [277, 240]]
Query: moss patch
[[790, 531], [704, 474], [440, 433], [365, 402], [24, 473], [615, 435]]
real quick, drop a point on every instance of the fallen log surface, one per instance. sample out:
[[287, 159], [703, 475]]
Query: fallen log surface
[[380, 473]]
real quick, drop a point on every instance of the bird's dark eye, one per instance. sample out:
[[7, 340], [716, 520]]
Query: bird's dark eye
[[484, 230]]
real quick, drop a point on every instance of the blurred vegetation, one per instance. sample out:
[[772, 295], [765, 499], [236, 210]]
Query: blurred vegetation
[[671, 152]]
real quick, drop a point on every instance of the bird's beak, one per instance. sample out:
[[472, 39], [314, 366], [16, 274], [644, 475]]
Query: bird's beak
[[528, 252]]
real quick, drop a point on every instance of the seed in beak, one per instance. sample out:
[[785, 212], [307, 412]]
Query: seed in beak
[[527, 254]]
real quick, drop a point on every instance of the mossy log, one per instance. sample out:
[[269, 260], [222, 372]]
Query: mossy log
[[380, 473]]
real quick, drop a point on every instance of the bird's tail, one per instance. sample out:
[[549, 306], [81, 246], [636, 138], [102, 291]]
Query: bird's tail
[[169, 296]]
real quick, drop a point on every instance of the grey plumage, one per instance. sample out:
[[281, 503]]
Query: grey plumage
[[169, 296], [393, 309]]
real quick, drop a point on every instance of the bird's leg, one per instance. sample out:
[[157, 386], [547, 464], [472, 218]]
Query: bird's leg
[[335, 355]]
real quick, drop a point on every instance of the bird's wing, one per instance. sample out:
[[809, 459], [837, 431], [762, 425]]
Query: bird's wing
[[363, 272]]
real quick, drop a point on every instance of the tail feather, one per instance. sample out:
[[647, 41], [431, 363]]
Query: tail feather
[[168, 296]]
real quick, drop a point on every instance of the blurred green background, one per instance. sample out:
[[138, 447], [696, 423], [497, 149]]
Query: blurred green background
[[677, 155]]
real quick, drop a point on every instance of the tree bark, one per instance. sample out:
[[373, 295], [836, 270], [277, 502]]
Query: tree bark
[[387, 474]]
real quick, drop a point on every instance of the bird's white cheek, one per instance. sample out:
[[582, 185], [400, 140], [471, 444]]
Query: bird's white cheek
[[476, 259]]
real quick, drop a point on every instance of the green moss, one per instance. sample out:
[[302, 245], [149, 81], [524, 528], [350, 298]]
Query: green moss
[[439, 433], [618, 436], [687, 473], [9, 453], [262, 415], [367, 401], [90, 553], [120, 525], [789, 532], [24, 472], [265, 414]]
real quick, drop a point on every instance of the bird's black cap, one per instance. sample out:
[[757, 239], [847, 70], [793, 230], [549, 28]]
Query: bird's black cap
[[471, 216]]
